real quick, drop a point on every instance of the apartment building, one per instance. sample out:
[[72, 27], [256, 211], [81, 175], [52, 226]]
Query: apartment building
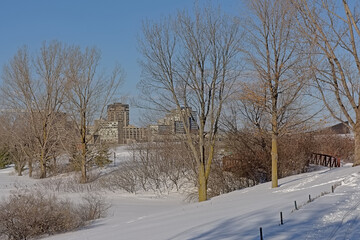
[[116, 128]]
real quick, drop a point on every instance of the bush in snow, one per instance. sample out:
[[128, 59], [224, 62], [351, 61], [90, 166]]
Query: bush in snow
[[250, 156], [4, 158], [337, 145], [26, 215], [157, 166]]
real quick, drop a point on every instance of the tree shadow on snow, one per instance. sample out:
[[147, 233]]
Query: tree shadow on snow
[[296, 226]]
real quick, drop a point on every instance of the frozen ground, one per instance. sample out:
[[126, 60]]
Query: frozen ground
[[237, 215]]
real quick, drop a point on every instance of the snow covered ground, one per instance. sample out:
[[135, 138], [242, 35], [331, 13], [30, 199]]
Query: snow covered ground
[[237, 215]]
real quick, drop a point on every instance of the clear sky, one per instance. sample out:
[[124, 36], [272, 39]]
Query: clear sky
[[111, 25]]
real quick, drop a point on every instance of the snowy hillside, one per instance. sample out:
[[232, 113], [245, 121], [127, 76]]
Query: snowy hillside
[[237, 215]]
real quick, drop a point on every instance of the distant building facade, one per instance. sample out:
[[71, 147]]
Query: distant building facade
[[108, 131], [116, 129], [134, 134], [118, 112], [172, 123]]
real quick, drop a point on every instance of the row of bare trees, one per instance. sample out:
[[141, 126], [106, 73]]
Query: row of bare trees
[[50, 98], [287, 50], [264, 67]]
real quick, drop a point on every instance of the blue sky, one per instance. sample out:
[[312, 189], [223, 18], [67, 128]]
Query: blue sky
[[111, 25]]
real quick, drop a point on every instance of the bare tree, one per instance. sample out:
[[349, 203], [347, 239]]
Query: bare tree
[[278, 66], [190, 63], [34, 86], [18, 140], [88, 92], [332, 27]]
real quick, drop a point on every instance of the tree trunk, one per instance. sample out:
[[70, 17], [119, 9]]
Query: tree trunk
[[83, 149], [19, 169], [55, 165], [43, 154], [83, 164], [42, 164], [274, 151], [274, 160], [357, 143], [202, 184], [30, 168]]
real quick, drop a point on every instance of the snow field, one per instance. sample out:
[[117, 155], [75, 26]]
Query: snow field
[[237, 215]]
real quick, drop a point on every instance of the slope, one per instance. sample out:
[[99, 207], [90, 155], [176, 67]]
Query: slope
[[240, 214]]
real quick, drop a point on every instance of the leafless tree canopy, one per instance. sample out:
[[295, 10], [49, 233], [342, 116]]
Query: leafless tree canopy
[[88, 92], [34, 86], [192, 64], [332, 29], [190, 60], [53, 96], [277, 71]]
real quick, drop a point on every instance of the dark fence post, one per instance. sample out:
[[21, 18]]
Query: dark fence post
[[332, 188], [296, 208], [114, 158], [309, 198], [261, 234], [281, 219]]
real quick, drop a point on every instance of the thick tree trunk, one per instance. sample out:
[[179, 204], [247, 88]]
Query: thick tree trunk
[[42, 164], [83, 164], [55, 165], [83, 149], [30, 168], [43, 154], [202, 184], [357, 143], [19, 169], [274, 161], [274, 147]]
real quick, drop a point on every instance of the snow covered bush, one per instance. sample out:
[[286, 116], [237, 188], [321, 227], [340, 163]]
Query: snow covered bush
[[93, 207], [159, 167], [29, 214]]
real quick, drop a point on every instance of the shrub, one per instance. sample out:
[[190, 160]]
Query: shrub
[[25, 215], [158, 167], [4, 158], [294, 153], [102, 156], [93, 207], [221, 182], [341, 146], [250, 158]]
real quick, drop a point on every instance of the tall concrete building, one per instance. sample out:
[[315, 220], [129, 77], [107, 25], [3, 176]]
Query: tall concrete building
[[116, 129], [118, 112]]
